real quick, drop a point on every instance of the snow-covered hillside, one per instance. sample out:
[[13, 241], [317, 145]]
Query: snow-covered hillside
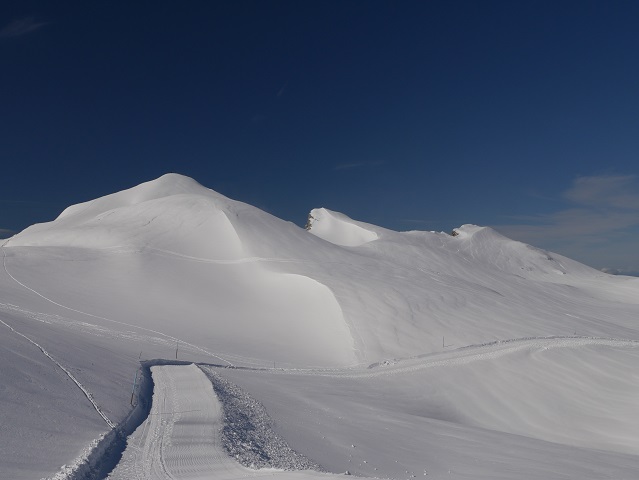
[[492, 342]]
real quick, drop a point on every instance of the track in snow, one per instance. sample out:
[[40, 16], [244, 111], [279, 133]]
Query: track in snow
[[474, 353], [458, 356], [181, 438], [164, 335], [67, 372]]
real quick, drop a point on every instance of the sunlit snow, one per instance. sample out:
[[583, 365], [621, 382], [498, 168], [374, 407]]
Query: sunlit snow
[[385, 354]]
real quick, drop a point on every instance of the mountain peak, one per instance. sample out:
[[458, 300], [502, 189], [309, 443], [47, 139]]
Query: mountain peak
[[172, 212]]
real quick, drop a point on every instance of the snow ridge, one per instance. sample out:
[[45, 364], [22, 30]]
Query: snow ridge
[[247, 434]]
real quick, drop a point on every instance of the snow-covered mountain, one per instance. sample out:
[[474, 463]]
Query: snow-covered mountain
[[489, 339]]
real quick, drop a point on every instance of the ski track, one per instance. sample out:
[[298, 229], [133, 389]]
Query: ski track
[[68, 373]]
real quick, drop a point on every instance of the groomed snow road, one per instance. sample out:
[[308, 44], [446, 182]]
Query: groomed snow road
[[181, 438]]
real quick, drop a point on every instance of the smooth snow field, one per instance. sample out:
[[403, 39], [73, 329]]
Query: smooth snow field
[[347, 347]]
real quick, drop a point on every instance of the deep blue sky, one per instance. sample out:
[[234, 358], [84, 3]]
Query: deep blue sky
[[410, 115]]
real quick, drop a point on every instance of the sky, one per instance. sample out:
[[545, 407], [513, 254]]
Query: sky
[[412, 115]]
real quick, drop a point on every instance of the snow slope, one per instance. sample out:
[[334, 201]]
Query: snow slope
[[157, 256], [181, 437], [531, 409], [337, 228], [172, 268]]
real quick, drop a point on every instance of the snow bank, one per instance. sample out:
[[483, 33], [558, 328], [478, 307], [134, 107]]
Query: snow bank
[[247, 434]]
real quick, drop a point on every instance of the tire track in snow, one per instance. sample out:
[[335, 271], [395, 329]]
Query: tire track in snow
[[471, 354], [68, 373], [457, 357]]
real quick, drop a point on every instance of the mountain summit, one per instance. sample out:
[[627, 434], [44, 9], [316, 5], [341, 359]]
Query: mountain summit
[[385, 353], [173, 212], [342, 292]]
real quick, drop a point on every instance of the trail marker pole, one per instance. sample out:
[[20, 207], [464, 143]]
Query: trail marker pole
[[443, 344], [177, 343]]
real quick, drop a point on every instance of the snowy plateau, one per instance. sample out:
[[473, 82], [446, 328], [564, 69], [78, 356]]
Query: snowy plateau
[[168, 332]]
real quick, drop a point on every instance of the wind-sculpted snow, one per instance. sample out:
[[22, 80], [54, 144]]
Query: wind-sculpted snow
[[339, 229], [193, 254], [247, 433], [170, 269]]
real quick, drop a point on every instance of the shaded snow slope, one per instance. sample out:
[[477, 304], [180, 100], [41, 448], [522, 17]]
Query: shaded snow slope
[[165, 255]]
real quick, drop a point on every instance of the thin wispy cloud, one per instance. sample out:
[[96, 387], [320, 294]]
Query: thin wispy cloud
[[349, 166], [20, 27], [601, 221], [618, 191]]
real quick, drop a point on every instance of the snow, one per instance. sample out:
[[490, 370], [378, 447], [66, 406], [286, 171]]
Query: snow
[[181, 438], [337, 228], [184, 412], [489, 358], [247, 434], [523, 410]]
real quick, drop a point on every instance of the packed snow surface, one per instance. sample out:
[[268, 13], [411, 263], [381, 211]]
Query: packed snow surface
[[489, 358], [181, 438]]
